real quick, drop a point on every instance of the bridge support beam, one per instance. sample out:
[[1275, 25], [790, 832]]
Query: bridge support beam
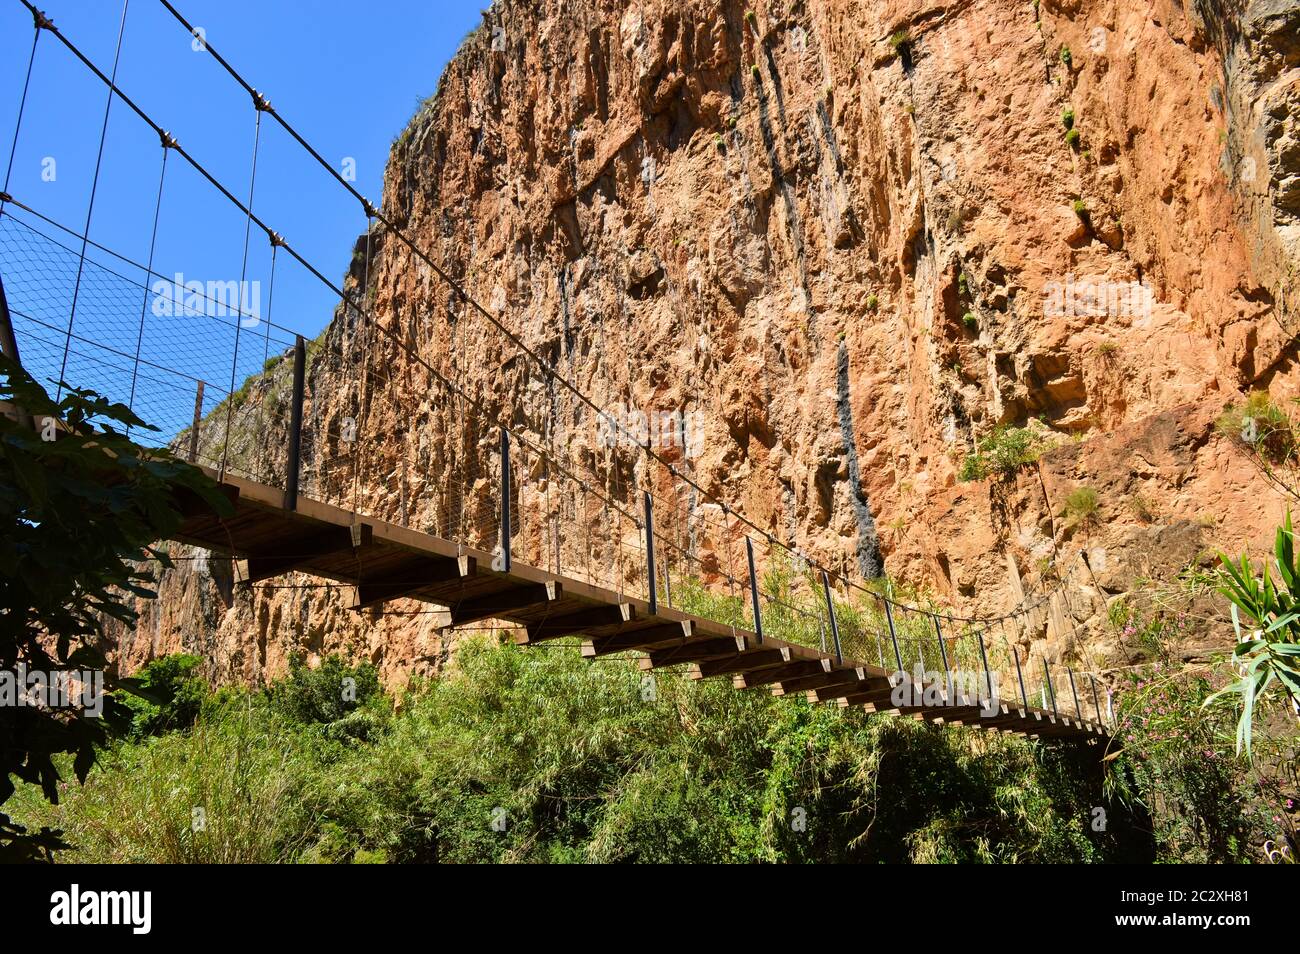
[[569, 624], [798, 669], [656, 637], [748, 662], [510, 601], [430, 573], [299, 551], [700, 650]]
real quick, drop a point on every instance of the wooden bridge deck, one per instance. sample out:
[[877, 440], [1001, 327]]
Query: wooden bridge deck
[[381, 561]]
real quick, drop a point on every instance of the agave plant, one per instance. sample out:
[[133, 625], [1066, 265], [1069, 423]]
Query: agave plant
[[1269, 655]]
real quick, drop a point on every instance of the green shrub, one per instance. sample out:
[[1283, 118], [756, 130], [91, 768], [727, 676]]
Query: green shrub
[[1262, 425], [175, 683], [327, 694], [1142, 508], [970, 321], [1169, 756], [1066, 58], [899, 40], [1003, 452], [872, 302], [1072, 139], [1080, 208], [1082, 504], [1067, 118]]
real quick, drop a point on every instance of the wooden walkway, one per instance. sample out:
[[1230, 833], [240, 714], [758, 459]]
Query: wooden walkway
[[380, 561]]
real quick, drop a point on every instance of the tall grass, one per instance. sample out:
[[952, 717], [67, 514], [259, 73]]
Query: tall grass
[[540, 755]]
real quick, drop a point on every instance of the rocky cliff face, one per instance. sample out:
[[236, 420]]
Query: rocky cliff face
[[847, 239]]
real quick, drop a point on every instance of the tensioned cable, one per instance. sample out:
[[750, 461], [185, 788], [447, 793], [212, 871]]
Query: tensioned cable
[[38, 18], [451, 282], [144, 302], [258, 101], [94, 188]]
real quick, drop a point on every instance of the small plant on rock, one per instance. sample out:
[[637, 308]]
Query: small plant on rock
[[1081, 505]]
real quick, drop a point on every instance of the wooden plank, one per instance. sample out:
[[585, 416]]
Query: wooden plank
[[500, 605]]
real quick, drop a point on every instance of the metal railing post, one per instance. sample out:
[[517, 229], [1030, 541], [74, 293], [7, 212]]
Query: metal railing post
[[893, 634], [1020, 677], [753, 589], [984, 661], [650, 552], [830, 615], [943, 656], [295, 424], [1051, 690], [505, 500], [1078, 710]]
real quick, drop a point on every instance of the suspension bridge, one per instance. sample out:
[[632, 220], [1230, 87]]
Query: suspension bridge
[[389, 470]]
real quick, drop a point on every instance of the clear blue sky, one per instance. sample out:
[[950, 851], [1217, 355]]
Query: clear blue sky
[[347, 75]]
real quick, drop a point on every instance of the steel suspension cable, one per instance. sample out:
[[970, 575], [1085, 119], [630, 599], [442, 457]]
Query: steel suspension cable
[[94, 188], [38, 19], [144, 302]]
